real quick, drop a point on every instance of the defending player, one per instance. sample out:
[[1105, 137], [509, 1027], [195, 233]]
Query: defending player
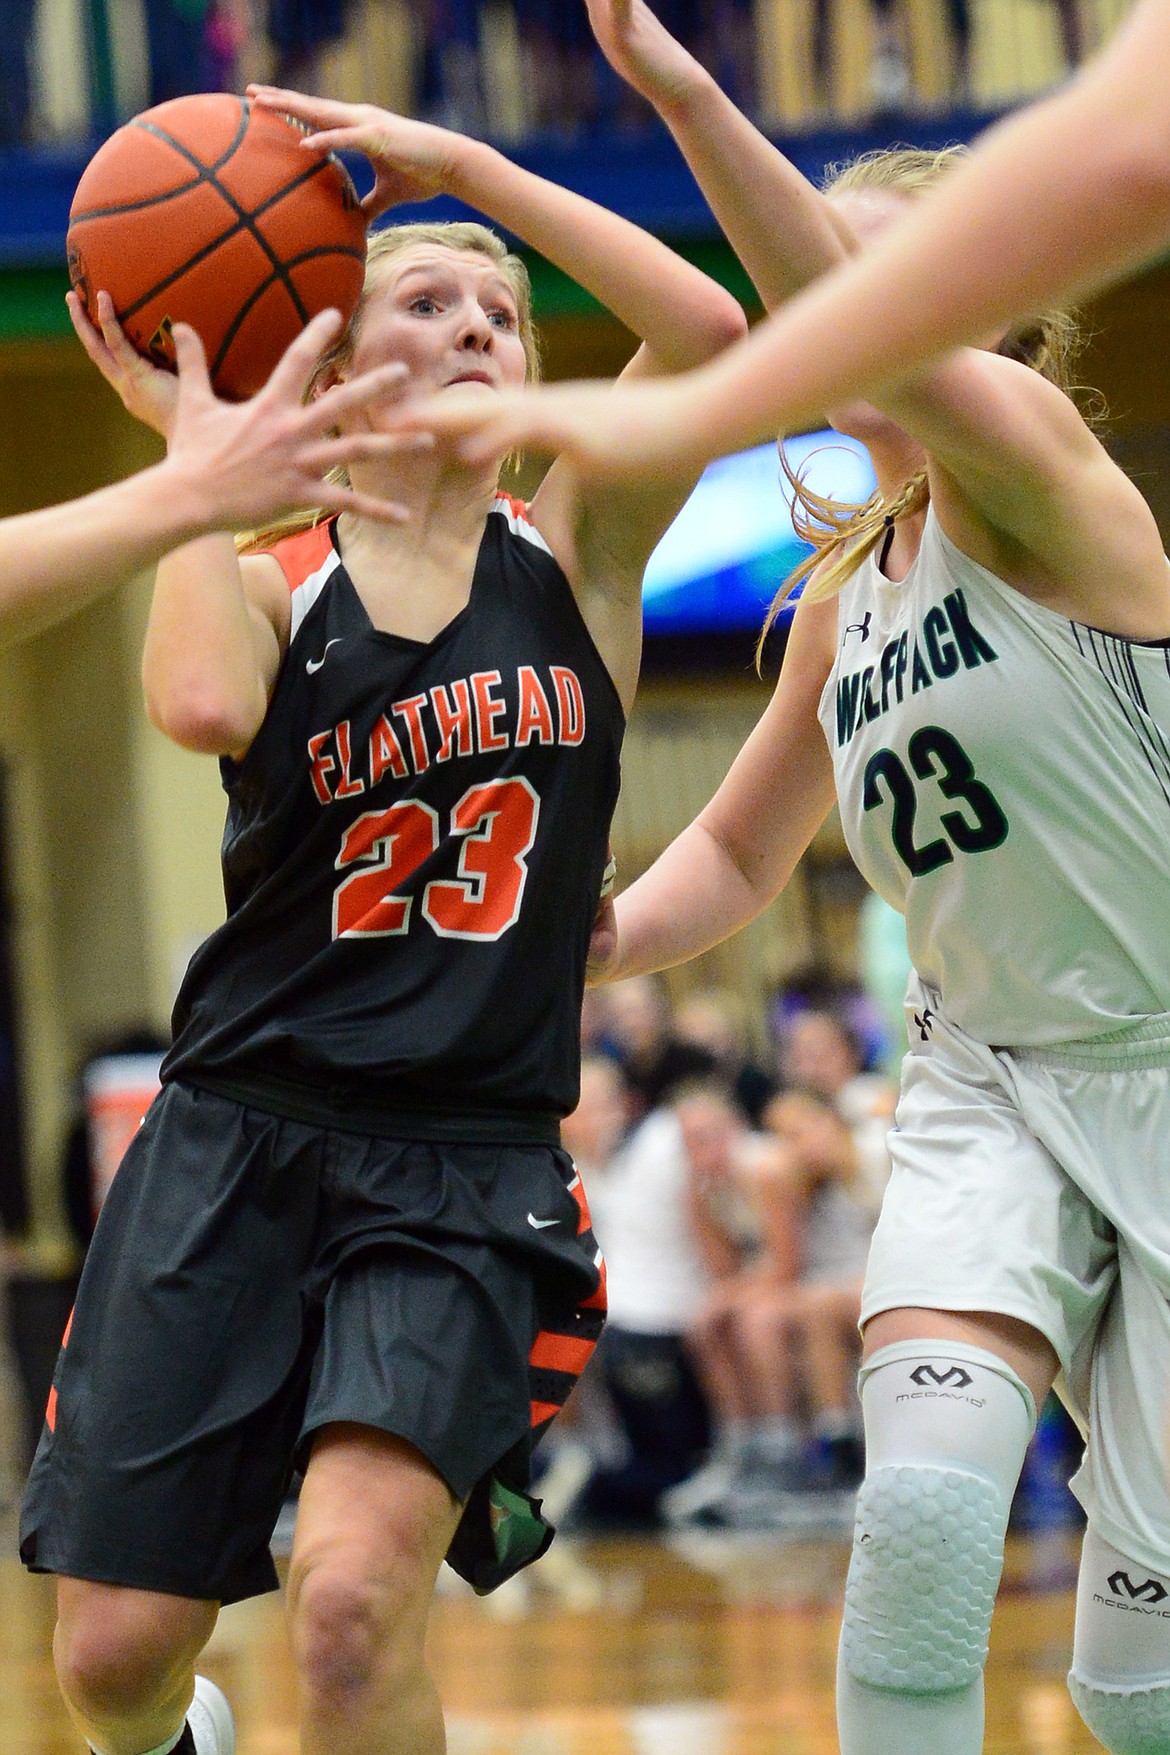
[[345, 1229], [989, 698], [227, 463]]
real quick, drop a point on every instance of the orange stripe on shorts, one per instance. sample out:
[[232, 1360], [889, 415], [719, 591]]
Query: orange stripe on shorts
[[560, 1353]]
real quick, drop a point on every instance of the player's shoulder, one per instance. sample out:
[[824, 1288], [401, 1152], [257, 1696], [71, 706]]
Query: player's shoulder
[[303, 556], [517, 517]]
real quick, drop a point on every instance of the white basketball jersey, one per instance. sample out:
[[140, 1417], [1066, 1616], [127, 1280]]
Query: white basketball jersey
[[1004, 781]]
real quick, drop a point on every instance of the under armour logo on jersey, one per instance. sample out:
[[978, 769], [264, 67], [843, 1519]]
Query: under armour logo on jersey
[[861, 627], [925, 1022], [1122, 1585], [954, 1375]]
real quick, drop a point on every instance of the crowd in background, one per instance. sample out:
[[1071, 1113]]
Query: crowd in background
[[202, 45], [734, 1188]]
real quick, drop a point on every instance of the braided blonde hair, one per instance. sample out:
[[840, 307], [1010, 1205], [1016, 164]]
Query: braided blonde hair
[[383, 246], [843, 535]]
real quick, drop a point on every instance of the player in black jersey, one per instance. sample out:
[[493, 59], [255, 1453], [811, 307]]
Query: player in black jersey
[[346, 1232]]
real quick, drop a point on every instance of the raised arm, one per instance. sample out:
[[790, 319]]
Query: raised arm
[[218, 627], [228, 464], [782, 229], [680, 314], [1056, 201]]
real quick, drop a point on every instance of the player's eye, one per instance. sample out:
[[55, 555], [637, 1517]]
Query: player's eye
[[502, 318], [424, 305]]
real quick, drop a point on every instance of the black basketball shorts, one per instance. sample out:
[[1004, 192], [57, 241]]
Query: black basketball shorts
[[253, 1279]]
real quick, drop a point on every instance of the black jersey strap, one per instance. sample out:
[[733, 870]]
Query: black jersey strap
[[351, 1107]]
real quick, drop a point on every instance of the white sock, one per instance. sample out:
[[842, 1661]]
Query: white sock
[[871, 1721]]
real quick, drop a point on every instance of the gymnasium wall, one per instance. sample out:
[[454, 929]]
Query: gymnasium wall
[[114, 834]]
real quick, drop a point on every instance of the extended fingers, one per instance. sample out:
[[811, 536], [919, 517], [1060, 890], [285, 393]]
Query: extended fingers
[[190, 358], [335, 498], [88, 336], [326, 454], [293, 371], [359, 392], [323, 112]]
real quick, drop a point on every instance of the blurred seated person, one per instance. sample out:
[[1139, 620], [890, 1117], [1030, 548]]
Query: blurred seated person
[[642, 1035], [819, 1052], [777, 1342], [714, 1020], [665, 1245]]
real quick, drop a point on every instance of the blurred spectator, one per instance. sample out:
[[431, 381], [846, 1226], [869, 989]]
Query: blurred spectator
[[16, 29], [664, 1245], [560, 64], [741, 1176], [777, 1341], [715, 1021], [642, 1036], [177, 43], [820, 1053], [298, 31]]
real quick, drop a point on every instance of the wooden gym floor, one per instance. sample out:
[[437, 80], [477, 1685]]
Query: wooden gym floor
[[718, 1646]]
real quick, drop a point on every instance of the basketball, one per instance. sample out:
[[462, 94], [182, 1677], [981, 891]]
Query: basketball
[[208, 211]]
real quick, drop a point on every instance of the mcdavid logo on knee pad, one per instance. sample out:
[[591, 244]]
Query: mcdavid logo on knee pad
[[1151, 1592], [954, 1375]]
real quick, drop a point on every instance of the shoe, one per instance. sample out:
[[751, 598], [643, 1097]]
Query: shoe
[[681, 1503], [210, 1725]]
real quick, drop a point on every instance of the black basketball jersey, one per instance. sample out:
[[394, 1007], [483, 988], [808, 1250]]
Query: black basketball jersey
[[412, 857]]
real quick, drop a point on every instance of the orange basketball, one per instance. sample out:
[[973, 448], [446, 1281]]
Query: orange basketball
[[208, 211]]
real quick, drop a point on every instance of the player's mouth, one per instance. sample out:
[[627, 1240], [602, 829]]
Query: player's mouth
[[474, 378]]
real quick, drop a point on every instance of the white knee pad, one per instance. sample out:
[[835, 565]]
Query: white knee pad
[[946, 1428], [1120, 1676]]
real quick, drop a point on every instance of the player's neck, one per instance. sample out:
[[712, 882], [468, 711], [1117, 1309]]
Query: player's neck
[[414, 577]]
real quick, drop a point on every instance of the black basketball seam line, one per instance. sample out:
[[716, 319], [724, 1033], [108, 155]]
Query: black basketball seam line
[[207, 175], [258, 293], [314, 170], [210, 248], [153, 200], [213, 245]]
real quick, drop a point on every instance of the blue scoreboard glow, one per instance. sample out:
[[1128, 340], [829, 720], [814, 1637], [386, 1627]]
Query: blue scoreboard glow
[[723, 559]]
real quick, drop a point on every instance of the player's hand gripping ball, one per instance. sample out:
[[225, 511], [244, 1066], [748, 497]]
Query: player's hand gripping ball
[[208, 211]]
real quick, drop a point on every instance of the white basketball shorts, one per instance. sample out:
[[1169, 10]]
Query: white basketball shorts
[[1036, 1184]]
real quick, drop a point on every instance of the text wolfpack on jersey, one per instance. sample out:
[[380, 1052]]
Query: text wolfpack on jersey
[[473, 715], [945, 642]]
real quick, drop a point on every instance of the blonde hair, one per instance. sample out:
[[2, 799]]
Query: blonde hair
[[843, 535], [384, 245]]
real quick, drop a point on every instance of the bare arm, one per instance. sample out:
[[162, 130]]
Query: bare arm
[[227, 464], [742, 849], [781, 228], [218, 628], [1055, 202]]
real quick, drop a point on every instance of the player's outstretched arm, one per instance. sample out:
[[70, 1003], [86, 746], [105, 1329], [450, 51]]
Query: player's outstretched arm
[[1054, 202], [229, 464], [782, 229]]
